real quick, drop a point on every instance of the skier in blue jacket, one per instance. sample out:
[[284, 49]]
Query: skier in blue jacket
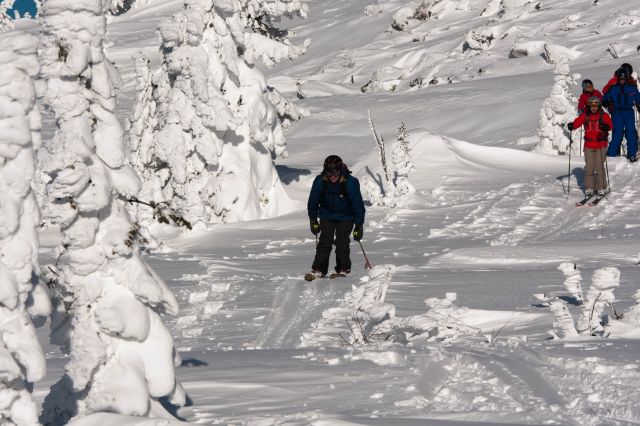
[[335, 198], [620, 100]]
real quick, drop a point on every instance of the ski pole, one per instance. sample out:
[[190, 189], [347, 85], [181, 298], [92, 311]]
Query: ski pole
[[366, 259], [316, 240], [569, 172]]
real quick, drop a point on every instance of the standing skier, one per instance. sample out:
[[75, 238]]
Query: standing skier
[[336, 199], [623, 97], [588, 90], [597, 124], [614, 80]]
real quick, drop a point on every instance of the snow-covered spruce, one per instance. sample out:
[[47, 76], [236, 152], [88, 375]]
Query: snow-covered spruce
[[563, 326], [22, 293], [107, 301], [395, 173], [558, 109], [217, 130], [600, 296], [572, 280], [251, 23], [592, 318], [402, 163]]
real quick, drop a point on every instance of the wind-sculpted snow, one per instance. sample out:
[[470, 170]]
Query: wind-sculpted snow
[[107, 301], [22, 293]]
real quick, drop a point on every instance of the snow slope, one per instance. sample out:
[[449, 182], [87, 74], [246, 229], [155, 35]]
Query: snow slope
[[489, 222]]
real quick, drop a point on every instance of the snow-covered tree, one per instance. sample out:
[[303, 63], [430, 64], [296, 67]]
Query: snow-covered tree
[[572, 280], [22, 293], [252, 25], [402, 163], [557, 110], [107, 301], [592, 311], [217, 128], [600, 295], [6, 23]]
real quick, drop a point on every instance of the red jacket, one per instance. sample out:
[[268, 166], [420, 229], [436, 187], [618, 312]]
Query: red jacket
[[582, 102], [594, 138], [614, 81]]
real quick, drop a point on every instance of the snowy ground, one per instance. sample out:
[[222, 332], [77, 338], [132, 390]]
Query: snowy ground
[[490, 222]]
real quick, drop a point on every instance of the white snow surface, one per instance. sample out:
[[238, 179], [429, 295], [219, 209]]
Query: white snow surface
[[487, 227]]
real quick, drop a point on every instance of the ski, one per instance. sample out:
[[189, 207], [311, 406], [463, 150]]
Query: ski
[[596, 201], [584, 201], [335, 275]]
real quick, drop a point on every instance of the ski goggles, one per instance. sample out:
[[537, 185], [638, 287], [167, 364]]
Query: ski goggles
[[332, 173], [594, 103]]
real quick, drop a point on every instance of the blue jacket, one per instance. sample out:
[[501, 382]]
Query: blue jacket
[[623, 97], [327, 201]]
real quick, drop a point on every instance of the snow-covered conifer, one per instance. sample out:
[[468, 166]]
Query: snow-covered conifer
[[562, 320], [6, 23], [599, 296], [558, 109], [217, 129], [402, 162], [252, 24], [107, 301], [572, 280], [22, 294], [384, 194]]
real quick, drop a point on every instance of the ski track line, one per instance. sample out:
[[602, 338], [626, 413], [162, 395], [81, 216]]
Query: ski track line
[[531, 387], [295, 307]]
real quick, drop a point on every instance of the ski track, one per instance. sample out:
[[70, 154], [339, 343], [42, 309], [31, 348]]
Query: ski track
[[297, 304]]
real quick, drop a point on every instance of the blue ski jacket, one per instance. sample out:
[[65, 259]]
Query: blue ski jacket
[[623, 97], [328, 201]]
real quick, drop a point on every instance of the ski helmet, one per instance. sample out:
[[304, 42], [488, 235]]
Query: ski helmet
[[627, 67], [332, 164], [586, 83], [594, 100]]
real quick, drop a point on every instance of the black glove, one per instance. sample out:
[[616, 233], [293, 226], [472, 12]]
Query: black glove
[[315, 227], [608, 104], [605, 127], [357, 232], [570, 127]]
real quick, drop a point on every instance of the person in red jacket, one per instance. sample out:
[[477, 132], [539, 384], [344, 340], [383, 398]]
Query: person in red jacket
[[588, 90], [614, 80], [597, 124]]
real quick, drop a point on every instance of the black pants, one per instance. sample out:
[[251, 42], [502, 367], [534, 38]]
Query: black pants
[[333, 232]]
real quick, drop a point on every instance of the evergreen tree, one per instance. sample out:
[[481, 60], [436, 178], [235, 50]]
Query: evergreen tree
[[217, 128], [558, 109], [107, 301], [22, 293]]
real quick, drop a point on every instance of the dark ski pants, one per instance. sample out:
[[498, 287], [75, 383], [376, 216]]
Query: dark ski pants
[[338, 233], [594, 175], [624, 124]]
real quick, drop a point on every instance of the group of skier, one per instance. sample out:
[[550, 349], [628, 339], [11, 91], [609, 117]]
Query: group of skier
[[335, 204], [619, 97]]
